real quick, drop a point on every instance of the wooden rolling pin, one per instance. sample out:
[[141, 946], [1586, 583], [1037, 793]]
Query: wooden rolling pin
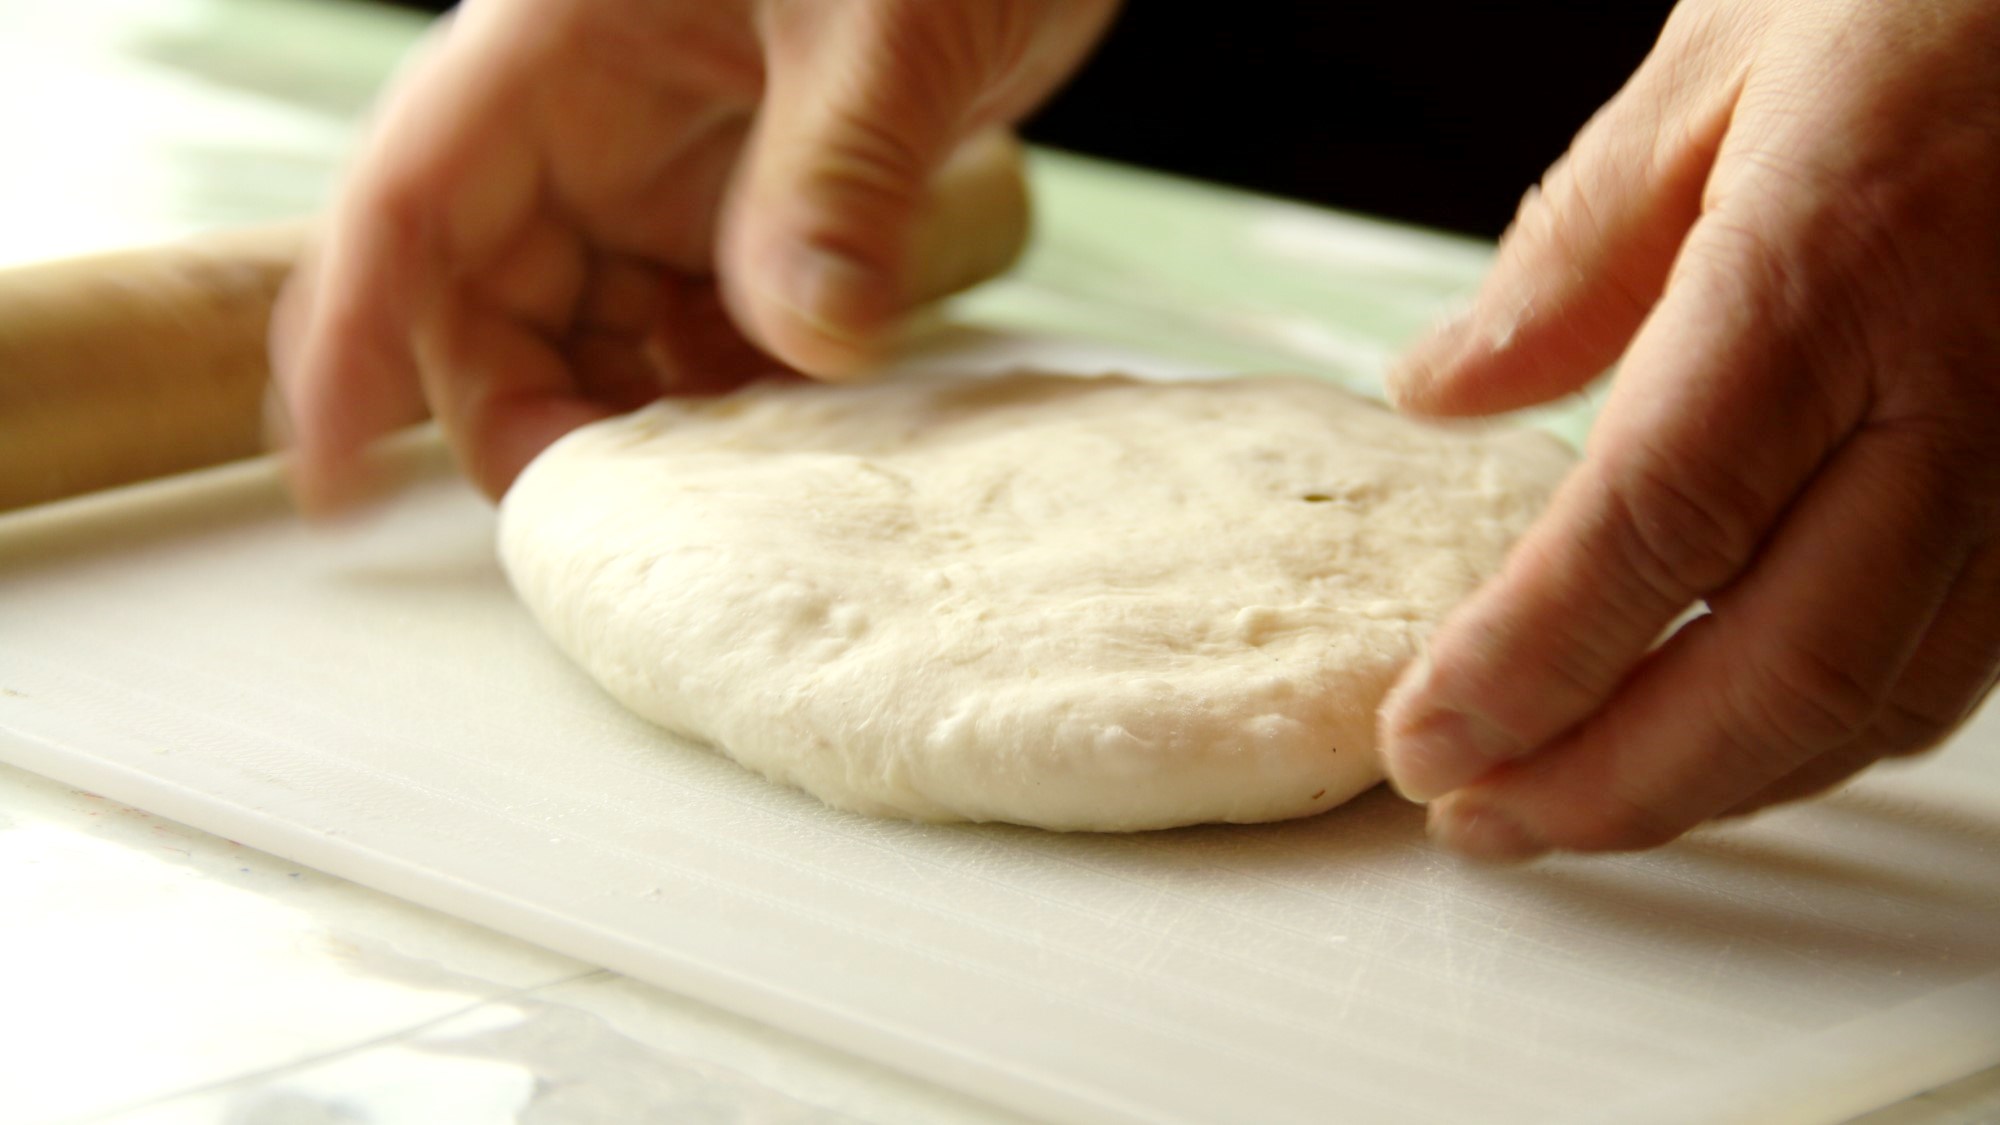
[[124, 366]]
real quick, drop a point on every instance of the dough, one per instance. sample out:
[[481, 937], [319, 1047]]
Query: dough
[[1075, 603]]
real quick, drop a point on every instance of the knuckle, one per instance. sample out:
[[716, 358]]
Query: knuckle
[[1805, 701], [1526, 676], [1733, 253], [1545, 693], [863, 190], [400, 184], [1575, 674], [1679, 533], [872, 156], [1820, 243]]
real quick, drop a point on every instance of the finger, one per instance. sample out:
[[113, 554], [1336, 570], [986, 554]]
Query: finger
[[1722, 412], [501, 391], [607, 346], [291, 313], [643, 332], [1947, 680], [492, 353], [975, 222], [861, 151], [1816, 778], [426, 200], [1830, 771], [694, 348], [1953, 670], [1587, 256], [537, 276], [506, 283], [646, 177], [341, 370], [340, 355], [1797, 661]]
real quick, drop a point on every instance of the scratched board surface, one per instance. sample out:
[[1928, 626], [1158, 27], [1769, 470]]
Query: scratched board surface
[[373, 703]]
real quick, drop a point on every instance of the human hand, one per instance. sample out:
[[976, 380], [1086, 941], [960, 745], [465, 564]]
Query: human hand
[[1789, 225], [562, 198]]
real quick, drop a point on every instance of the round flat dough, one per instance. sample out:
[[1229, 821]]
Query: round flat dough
[[1074, 603]]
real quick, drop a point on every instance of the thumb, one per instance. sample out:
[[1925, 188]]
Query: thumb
[[880, 174]]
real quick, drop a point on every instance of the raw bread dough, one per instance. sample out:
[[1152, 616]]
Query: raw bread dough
[[1074, 603]]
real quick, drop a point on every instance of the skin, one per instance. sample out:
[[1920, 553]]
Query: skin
[[562, 198], [1786, 225]]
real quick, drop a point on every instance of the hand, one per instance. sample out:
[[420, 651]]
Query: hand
[[1789, 225], [563, 197]]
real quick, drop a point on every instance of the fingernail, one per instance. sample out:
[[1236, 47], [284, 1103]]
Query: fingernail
[[277, 419], [1409, 381], [834, 295], [1442, 751], [333, 493], [1481, 832]]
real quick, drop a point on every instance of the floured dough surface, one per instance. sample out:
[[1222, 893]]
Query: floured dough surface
[[1074, 603]]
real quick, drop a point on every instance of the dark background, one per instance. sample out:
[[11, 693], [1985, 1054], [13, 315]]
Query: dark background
[[1439, 112]]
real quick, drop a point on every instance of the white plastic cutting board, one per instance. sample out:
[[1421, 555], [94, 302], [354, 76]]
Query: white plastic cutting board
[[371, 701]]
